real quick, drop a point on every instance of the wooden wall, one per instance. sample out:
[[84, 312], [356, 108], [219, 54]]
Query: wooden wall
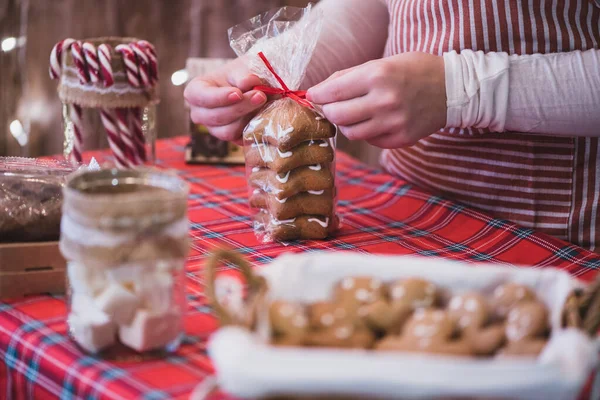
[[178, 28]]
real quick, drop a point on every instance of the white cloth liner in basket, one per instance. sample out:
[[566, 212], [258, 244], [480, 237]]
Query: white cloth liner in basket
[[248, 367]]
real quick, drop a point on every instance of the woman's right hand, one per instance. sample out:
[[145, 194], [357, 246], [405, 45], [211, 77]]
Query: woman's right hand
[[224, 101]]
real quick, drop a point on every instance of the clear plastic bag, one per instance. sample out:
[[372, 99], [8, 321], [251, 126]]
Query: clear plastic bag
[[31, 198], [289, 146]]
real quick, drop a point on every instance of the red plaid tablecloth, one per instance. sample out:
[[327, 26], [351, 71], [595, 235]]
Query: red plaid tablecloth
[[381, 214]]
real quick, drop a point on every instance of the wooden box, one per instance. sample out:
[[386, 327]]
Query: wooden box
[[31, 268]]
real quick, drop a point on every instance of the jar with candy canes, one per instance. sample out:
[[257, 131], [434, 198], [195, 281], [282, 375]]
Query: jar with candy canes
[[124, 234], [109, 90]]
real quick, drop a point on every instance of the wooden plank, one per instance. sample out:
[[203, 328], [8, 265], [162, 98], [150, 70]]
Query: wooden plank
[[31, 268]]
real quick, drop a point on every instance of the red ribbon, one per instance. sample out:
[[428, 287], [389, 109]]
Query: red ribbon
[[299, 96]]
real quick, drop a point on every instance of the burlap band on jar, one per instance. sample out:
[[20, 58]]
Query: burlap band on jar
[[95, 95], [113, 218]]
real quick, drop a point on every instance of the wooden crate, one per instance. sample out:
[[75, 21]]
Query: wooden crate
[[31, 268]]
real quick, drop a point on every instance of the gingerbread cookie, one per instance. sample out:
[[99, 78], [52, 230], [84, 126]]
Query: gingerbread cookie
[[285, 124], [333, 325], [472, 315], [526, 348], [302, 227], [355, 293], [311, 178], [429, 331], [306, 154], [289, 323], [508, 295], [318, 202], [527, 321]]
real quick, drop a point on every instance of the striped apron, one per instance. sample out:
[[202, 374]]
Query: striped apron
[[551, 184]]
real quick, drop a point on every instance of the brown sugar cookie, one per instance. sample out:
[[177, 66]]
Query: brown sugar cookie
[[315, 202], [510, 294], [303, 227], [285, 124], [306, 154], [314, 178]]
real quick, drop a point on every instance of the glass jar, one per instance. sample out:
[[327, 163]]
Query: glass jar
[[124, 234], [139, 124]]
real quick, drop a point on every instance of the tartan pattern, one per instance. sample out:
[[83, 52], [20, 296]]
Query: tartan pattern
[[380, 214]]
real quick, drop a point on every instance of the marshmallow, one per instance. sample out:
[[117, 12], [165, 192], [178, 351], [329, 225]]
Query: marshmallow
[[93, 331], [119, 303], [86, 280], [127, 275], [156, 291], [150, 331]]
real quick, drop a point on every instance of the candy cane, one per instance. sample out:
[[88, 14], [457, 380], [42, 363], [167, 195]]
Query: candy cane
[[114, 141], [56, 57], [79, 59], [130, 64], [75, 113], [91, 59], [104, 57], [144, 68], [127, 136], [152, 59], [135, 116]]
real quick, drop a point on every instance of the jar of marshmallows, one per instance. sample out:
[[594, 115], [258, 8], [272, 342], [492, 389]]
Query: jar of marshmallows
[[124, 234]]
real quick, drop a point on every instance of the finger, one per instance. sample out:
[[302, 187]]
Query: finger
[[391, 141], [364, 130], [204, 93], [241, 79], [212, 117], [339, 73], [350, 112], [231, 132], [344, 87]]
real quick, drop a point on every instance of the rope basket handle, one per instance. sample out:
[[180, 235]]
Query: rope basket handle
[[257, 288], [582, 309]]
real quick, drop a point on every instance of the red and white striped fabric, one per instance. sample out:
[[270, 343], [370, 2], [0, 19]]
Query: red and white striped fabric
[[551, 184]]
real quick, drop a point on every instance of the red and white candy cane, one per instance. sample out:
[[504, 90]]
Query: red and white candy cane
[[75, 113], [131, 66], [80, 64], [144, 67], [123, 125], [114, 140], [104, 58], [91, 60], [152, 59], [135, 115], [56, 57]]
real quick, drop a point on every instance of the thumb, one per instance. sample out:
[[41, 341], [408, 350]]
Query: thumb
[[243, 80]]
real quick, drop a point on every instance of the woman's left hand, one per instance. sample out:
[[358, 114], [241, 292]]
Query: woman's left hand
[[391, 102]]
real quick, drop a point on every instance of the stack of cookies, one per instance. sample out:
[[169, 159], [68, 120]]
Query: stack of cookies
[[290, 152]]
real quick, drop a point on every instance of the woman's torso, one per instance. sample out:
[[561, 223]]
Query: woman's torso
[[551, 184]]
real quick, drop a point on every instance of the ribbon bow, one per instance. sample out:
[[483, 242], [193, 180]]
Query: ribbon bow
[[299, 96]]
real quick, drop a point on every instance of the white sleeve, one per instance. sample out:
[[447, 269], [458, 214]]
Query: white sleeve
[[354, 32], [555, 94]]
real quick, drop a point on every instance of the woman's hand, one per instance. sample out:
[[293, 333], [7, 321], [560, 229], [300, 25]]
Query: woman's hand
[[224, 101], [392, 102]]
